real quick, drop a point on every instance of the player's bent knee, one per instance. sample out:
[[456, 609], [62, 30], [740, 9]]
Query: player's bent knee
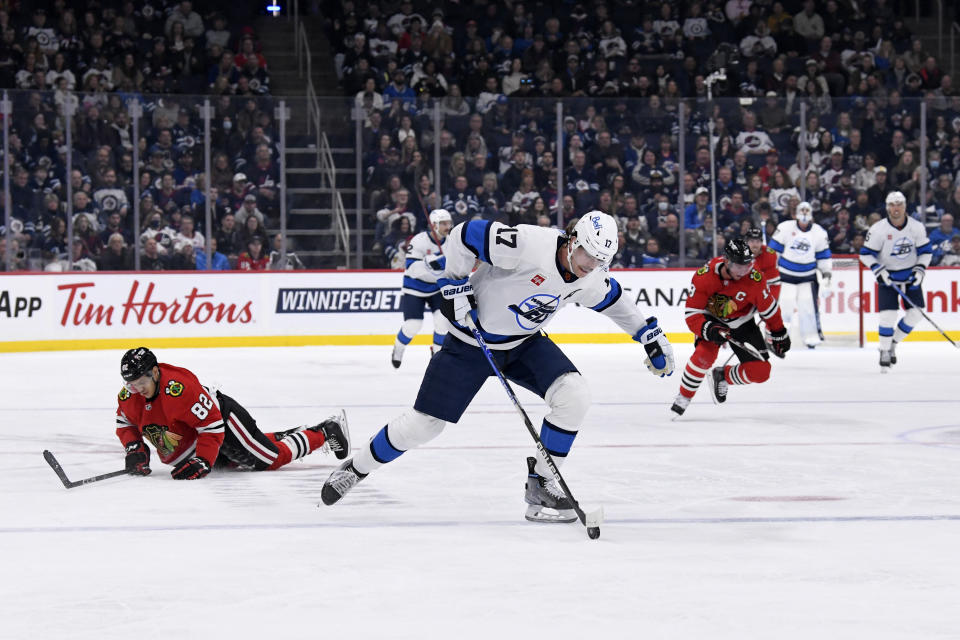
[[758, 371], [568, 398], [412, 429]]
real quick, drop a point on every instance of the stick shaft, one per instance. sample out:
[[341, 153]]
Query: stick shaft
[[70, 484], [924, 314]]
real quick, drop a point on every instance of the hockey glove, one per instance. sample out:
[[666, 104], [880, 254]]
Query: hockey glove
[[779, 342], [191, 469], [917, 276], [459, 301], [659, 351], [715, 332], [138, 459], [883, 276], [826, 278]]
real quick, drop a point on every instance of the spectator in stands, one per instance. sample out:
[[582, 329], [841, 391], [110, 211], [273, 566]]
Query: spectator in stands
[[116, 256], [219, 261], [253, 227], [878, 192], [841, 233], [942, 236], [460, 202], [184, 257], [190, 19], [700, 209], [277, 263], [150, 258], [253, 258], [187, 233], [229, 238], [951, 256]]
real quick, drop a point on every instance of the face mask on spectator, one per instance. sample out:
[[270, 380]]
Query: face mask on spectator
[[227, 125], [154, 224], [934, 164]]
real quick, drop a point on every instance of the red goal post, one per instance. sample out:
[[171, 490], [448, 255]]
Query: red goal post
[[841, 308]]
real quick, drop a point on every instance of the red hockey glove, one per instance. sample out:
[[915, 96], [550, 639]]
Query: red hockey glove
[[192, 469], [715, 332], [779, 342], [138, 459]]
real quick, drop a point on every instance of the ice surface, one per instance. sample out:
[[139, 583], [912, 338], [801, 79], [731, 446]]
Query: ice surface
[[823, 504]]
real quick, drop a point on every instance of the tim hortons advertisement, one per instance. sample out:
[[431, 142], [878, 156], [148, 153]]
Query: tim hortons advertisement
[[99, 310]]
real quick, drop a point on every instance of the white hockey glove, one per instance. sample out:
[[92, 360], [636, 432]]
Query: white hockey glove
[[883, 276], [826, 278], [459, 296], [659, 351], [917, 276]]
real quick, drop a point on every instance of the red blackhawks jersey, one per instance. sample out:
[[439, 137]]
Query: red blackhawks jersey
[[182, 421], [766, 263], [732, 302]]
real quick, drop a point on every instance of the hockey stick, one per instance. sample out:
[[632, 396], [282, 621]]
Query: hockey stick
[[746, 346], [924, 314], [590, 520], [69, 484]]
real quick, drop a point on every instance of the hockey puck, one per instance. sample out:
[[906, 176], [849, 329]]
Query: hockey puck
[[593, 532]]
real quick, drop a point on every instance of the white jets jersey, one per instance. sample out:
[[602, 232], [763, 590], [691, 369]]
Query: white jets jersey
[[899, 250], [419, 278], [519, 285], [801, 252], [110, 200]]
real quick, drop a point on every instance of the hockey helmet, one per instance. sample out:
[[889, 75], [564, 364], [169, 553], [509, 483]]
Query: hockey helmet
[[440, 215], [754, 233], [804, 213], [738, 252], [596, 232], [895, 197], [137, 363]]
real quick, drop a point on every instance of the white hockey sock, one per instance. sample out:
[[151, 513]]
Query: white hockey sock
[[297, 443]]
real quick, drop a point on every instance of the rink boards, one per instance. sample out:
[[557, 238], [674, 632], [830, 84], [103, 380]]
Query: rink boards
[[57, 311]]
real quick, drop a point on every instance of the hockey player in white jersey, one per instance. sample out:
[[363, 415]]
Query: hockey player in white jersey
[[526, 274], [804, 248], [898, 252], [420, 289]]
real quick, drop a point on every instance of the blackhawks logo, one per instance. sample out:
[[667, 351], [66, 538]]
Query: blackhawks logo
[[174, 388], [124, 394], [755, 275], [721, 306], [164, 441], [702, 270]]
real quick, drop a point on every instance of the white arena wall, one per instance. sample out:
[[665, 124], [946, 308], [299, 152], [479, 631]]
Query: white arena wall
[[55, 311]]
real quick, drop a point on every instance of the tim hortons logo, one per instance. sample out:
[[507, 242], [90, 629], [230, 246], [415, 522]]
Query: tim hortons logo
[[142, 308]]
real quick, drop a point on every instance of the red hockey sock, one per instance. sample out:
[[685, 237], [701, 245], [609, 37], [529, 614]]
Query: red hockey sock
[[751, 372], [295, 446]]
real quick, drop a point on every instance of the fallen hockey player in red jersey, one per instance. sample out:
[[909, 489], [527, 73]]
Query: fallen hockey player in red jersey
[[193, 427], [727, 291]]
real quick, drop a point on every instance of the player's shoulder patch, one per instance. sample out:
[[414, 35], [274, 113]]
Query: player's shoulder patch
[[174, 388], [704, 269], [756, 276], [123, 395], [769, 250]]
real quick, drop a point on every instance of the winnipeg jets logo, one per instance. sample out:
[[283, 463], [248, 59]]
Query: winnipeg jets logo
[[800, 245], [535, 310], [901, 247]]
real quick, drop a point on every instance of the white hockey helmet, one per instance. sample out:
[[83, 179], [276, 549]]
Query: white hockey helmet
[[895, 197], [437, 216], [596, 232], [804, 213]]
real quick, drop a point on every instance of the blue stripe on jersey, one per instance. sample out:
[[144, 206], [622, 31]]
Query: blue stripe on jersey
[[556, 440], [823, 255], [383, 452], [790, 265], [612, 296], [867, 251], [901, 275], [886, 332], [409, 262], [927, 248], [776, 246], [476, 238], [420, 285]]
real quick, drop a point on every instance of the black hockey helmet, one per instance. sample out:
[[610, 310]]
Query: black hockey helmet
[[137, 363], [753, 233], [738, 252]]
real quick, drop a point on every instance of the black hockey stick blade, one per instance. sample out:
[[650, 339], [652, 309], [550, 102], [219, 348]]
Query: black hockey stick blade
[[67, 483]]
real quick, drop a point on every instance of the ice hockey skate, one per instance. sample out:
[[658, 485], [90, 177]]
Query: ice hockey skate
[[719, 387], [885, 361], [545, 499], [336, 434], [397, 356], [893, 352], [680, 404], [340, 482]]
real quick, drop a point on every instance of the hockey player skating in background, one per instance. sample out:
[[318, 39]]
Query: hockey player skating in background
[[193, 427], [765, 261], [526, 274], [804, 249], [424, 258], [898, 252], [726, 293]]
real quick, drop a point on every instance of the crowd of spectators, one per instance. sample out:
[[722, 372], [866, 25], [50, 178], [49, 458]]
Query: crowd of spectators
[[495, 72], [97, 60]]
